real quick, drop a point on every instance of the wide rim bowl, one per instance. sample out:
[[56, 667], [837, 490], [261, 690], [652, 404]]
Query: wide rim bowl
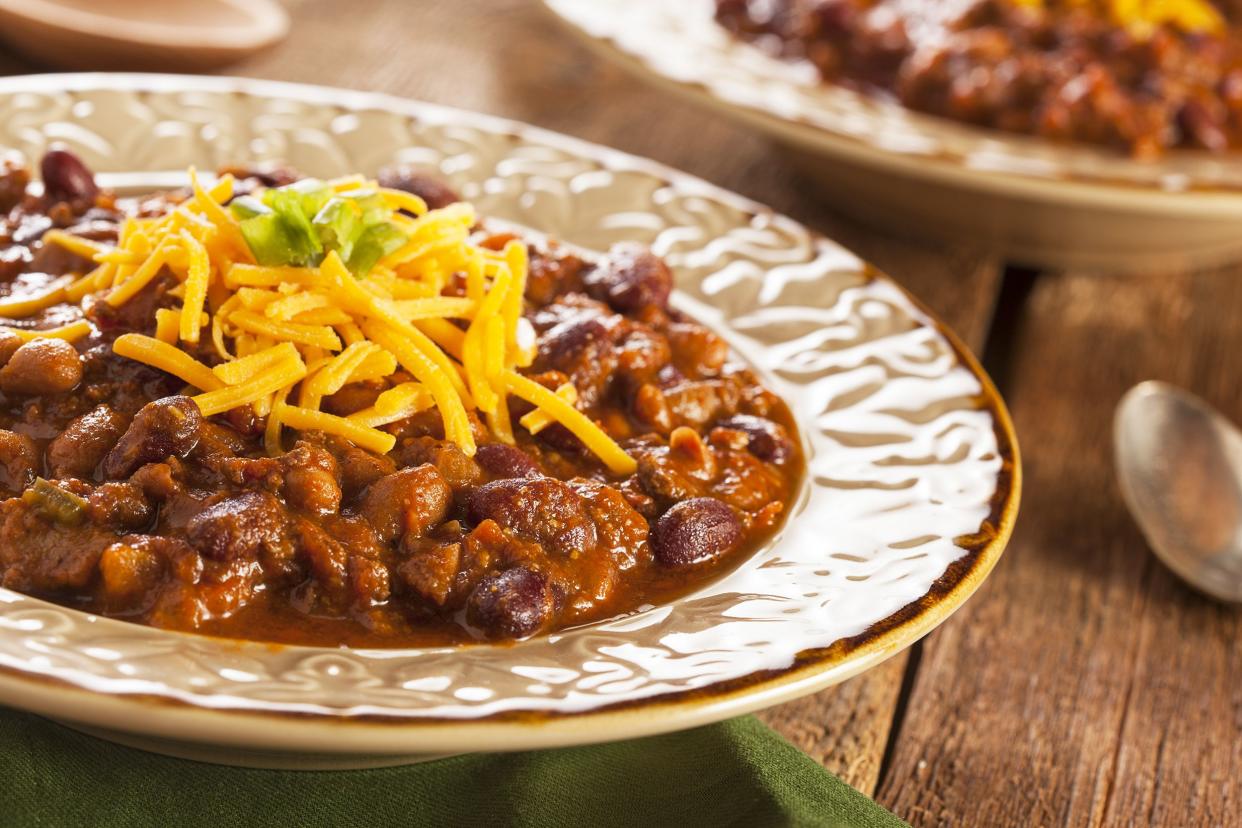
[[911, 492]]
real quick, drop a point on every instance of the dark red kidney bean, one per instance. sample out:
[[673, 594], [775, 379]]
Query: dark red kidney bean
[[695, 531], [167, 427], [42, 366], [66, 177], [419, 182], [766, 440], [541, 509], [632, 278], [516, 603], [561, 348], [237, 527], [502, 462]]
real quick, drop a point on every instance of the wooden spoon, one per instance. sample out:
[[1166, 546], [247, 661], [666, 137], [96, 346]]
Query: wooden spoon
[[140, 34]]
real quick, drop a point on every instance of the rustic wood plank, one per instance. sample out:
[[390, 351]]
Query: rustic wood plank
[[1084, 685], [509, 58]]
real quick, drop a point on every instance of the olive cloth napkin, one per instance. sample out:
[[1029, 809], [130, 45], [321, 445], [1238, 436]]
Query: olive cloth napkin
[[734, 773]]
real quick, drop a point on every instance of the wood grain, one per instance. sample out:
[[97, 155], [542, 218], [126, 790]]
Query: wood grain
[[509, 58], [1084, 685]]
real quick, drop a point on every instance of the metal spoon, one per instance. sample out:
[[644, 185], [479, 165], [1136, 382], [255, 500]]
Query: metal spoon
[[141, 34], [1179, 463]]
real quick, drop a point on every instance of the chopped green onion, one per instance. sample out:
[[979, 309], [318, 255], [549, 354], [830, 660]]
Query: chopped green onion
[[339, 224], [297, 224], [378, 241]]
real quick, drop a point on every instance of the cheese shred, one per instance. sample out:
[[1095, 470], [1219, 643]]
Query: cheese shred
[[436, 324]]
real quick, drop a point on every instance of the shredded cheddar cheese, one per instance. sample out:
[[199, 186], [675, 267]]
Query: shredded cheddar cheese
[[282, 338]]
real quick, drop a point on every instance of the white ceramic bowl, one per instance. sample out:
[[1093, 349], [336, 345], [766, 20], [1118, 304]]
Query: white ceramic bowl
[[910, 495], [1036, 202]]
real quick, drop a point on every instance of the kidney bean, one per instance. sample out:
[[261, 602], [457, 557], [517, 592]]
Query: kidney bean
[[695, 531], [168, 427], [501, 461], [631, 279], [42, 366], [66, 177], [419, 182], [765, 439], [516, 603]]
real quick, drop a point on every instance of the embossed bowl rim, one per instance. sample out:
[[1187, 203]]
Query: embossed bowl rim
[[165, 717]]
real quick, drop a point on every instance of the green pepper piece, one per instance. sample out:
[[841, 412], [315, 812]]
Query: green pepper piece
[[56, 504], [378, 241]]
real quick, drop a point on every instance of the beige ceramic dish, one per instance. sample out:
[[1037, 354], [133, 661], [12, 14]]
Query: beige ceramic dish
[[1037, 203], [910, 496]]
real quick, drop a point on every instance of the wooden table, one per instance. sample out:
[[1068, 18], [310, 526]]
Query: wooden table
[[1083, 684]]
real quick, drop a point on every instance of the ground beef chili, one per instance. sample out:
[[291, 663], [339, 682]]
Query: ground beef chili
[[123, 499], [1062, 70]]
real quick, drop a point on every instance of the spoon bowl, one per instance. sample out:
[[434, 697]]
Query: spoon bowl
[[1179, 463], [141, 34]]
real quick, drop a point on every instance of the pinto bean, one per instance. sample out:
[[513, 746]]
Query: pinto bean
[[80, 448], [516, 603], [42, 366], [408, 502], [66, 177], [168, 427], [695, 531], [631, 279]]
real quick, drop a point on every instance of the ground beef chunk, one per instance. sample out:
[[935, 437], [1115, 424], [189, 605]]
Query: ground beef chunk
[[540, 509], [14, 176], [19, 459], [410, 501], [42, 557], [164, 428], [310, 479], [242, 526], [82, 446], [120, 505]]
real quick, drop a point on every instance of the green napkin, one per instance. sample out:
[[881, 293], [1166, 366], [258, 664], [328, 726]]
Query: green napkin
[[735, 773]]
